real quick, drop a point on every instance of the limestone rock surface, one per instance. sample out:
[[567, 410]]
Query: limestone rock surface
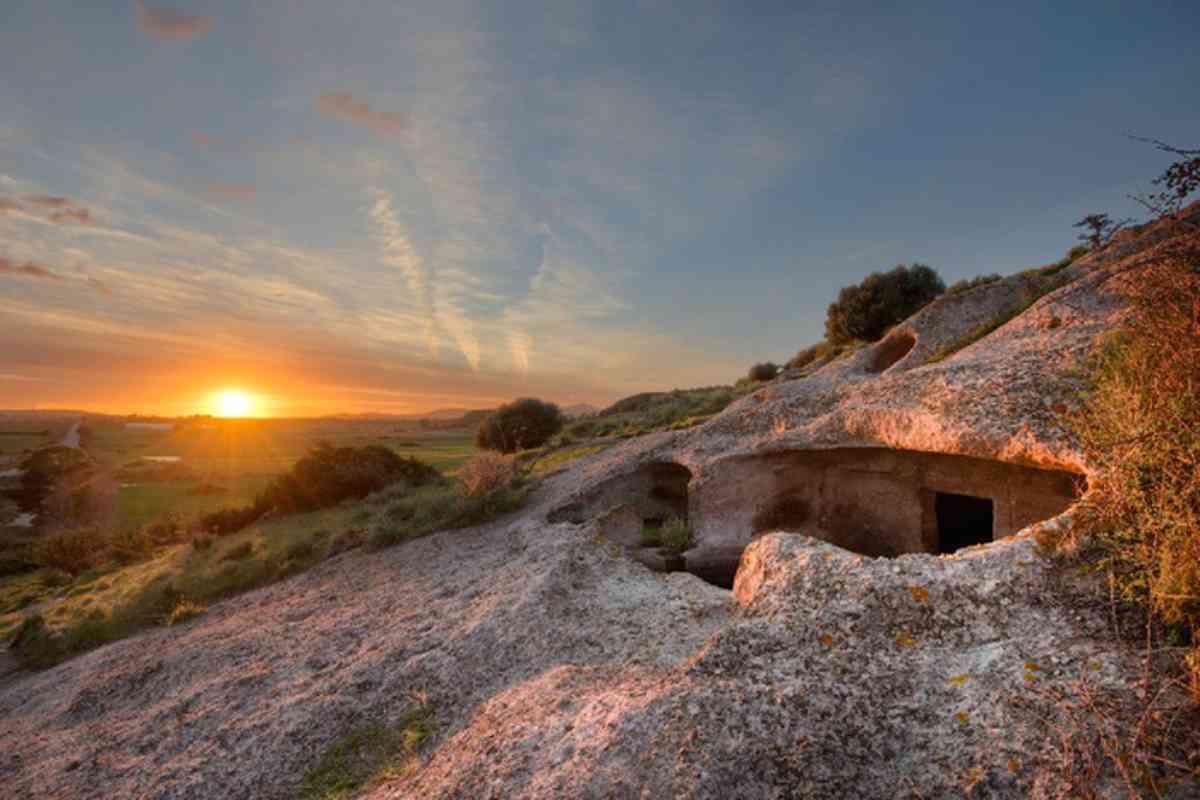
[[554, 665]]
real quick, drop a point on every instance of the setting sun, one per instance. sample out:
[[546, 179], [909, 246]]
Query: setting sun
[[233, 403]]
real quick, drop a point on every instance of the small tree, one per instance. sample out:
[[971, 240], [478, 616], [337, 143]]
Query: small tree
[[1098, 230], [763, 372], [865, 311], [1177, 183], [521, 424]]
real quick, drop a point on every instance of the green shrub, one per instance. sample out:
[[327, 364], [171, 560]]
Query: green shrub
[[324, 477], [865, 311], [675, 535], [74, 550], [765, 371], [487, 472], [519, 425], [327, 475]]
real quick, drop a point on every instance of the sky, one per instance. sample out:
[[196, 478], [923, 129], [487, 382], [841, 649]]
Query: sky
[[398, 207]]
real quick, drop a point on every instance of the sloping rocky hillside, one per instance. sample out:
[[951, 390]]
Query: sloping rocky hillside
[[554, 664]]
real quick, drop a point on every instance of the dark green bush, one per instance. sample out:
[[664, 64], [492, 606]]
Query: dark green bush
[[327, 475], [73, 551], [765, 371], [520, 425], [324, 477], [866, 311]]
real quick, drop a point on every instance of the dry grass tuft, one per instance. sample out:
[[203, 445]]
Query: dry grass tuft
[[487, 472]]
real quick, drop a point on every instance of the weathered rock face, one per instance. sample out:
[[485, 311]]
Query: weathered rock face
[[557, 666]]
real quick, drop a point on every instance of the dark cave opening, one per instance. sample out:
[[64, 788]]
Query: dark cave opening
[[962, 520]]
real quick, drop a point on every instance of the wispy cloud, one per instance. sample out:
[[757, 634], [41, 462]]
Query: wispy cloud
[[233, 191], [28, 270], [48, 201], [79, 216], [100, 286], [168, 25], [344, 106], [399, 252], [32, 269]]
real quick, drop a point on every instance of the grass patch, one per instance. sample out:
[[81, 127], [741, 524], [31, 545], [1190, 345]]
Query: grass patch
[[141, 504], [21, 591], [543, 462], [366, 756], [179, 581], [656, 411], [442, 507], [184, 610]]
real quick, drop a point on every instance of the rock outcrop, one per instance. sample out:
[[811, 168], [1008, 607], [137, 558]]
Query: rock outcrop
[[555, 665]]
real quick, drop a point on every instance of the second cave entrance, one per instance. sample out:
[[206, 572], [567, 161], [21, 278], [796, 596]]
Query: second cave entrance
[[962, 520]]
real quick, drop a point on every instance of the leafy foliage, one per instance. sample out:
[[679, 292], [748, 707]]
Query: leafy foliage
[[73, 551], [520, 425], [327, 475], [324, 477], [1178, 182], [1098, 230], [675, 535], [765, 371], [487, 472], [865, 311]]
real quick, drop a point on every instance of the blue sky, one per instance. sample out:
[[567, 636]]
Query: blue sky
[[386, 206]]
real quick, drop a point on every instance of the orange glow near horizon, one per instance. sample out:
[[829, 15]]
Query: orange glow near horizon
[[235, 403]]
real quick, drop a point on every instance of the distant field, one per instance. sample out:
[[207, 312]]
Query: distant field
[[241, 456], [14, 442]]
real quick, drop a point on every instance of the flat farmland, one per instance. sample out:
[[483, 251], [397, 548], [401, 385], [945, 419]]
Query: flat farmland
[[202, 466]]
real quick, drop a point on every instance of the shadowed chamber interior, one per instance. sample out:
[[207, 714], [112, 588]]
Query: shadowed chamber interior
[[891, 350], [651, 494], [875, 501]]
